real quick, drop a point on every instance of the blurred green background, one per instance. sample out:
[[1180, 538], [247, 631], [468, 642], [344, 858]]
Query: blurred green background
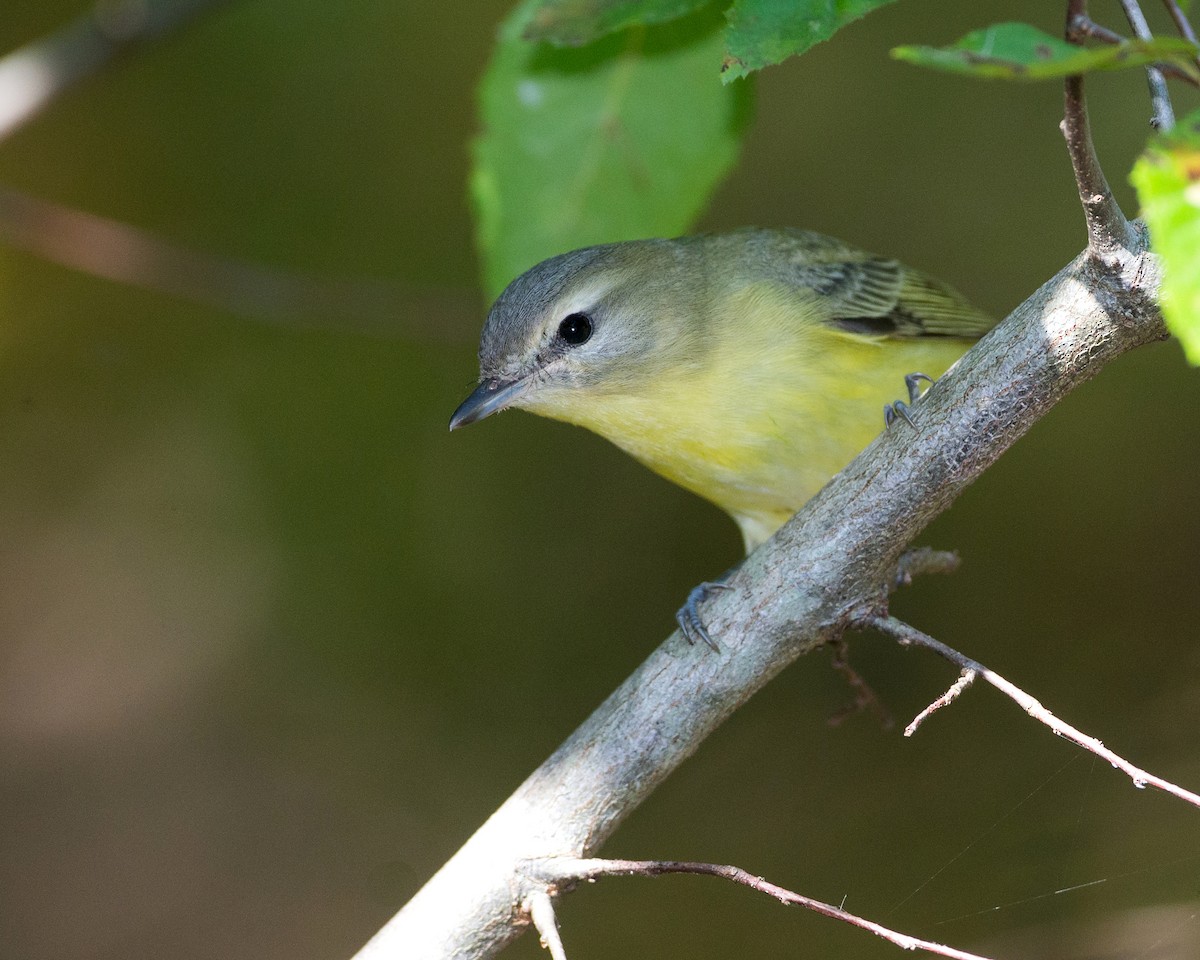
[[273, 643]]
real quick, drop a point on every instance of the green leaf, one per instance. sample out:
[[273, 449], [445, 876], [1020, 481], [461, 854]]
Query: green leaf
[[624, 138], [766, 32], [1017, 51], [575, 22], [1167, 178]]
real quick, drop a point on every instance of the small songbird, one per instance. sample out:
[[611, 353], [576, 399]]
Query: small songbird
[[748, 367]]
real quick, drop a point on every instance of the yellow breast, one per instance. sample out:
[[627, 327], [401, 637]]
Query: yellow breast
[[764, 411]]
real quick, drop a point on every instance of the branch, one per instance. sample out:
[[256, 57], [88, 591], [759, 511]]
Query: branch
[[797, 592], [540, 908], [1081, 27], [1108, 230], [126, 254], [957, 688], [1182, 24], [909, 635], [1164, 113], [922, 562], [37, 74], [566, 871]]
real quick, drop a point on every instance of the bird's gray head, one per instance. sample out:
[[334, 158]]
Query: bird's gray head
[[575, 322]]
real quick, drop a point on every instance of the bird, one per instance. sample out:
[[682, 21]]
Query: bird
[[748, 366]]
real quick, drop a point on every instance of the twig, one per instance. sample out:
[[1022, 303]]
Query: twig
[[909, 635], [1107, 228], [956, 689], [560, 871], [918, 562], [1083, 27], [1160, 97], [922, 562], [1182, 24], [540, 908], [865, 697], [37, 74], [1137, 20], [124, 253]]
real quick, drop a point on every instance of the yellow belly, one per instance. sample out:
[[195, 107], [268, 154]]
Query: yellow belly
[[761, 419]]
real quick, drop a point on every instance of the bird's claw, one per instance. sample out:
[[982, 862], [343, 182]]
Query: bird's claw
[[894, 411], [691, 624], [913, 383], [899, 410]]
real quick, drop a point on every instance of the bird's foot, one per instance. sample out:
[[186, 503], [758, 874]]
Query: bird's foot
[[691, 624], [899, 410]]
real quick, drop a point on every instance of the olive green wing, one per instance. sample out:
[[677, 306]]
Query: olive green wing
[[868, 294]]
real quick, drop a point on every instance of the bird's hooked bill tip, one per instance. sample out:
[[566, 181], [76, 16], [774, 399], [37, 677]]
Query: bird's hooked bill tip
[[489, 397]]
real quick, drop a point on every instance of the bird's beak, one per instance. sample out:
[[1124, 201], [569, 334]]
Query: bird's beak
[[489, 397]]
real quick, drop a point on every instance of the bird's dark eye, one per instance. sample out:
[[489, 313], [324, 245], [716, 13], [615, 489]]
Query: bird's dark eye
[[575, 329]]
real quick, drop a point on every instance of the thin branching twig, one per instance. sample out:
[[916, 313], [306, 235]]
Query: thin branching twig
[[910, 636], [956, 689], [564, 871]]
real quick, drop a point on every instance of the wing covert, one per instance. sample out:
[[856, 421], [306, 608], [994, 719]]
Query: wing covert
[[874, 295]]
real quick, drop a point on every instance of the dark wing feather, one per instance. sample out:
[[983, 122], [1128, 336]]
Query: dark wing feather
[[868, 294]]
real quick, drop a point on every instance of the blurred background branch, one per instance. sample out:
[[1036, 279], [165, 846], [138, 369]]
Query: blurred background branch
[[121, 252], [34, 76]]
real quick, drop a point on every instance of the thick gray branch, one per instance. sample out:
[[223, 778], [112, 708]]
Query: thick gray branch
[[795, 593]]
